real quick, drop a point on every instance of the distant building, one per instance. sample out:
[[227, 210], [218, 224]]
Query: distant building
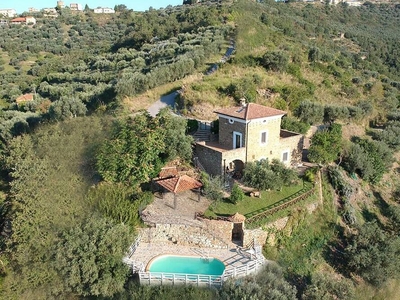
[[3, 22], [32, 10], [50, 12], [24, 21], [353, 3], [24, 98], [8, 12], [60, 4], [75, 6], [104, 10]]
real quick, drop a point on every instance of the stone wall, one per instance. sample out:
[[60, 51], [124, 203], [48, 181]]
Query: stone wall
[[210, 159], [259, 235], [258, 150], [294, 145], [226, 132], [213, 234]]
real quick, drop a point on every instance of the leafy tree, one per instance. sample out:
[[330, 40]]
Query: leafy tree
[[390, 135], [326, 145], [269, 283], [275, 60], [132, 154], [177, 142], [310, 112], [370, 159], [89, 257], [212, 186], [66, 108], [237, 194], [373, 254], [138, 147], [294, 125], [314, 54], [264, 175], [324, 286]]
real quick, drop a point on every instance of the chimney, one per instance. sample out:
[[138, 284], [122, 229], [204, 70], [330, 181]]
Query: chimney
[[243, 102]]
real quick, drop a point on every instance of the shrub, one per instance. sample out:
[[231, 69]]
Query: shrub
[[292, 124], [192, 126], [237, 194], [264, 175], [212, 186]]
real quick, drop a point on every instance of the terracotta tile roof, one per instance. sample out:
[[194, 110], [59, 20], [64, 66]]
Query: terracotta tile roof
[[20, 19], [179, 184], [168, 172], [24, 98], [237, 218], [250, 111]]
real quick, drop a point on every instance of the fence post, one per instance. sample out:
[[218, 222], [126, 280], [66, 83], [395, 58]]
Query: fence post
[[173, 279]]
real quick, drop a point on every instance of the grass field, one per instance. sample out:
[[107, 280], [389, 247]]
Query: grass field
[[250, 204]]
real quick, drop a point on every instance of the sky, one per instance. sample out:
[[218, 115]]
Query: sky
[[138, 5]]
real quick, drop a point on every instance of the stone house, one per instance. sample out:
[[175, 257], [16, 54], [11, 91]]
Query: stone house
[[248, 133]]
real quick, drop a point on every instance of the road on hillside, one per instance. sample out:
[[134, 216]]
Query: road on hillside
[[164, 101], [169, 100]]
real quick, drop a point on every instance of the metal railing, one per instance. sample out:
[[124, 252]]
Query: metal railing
[[199, 279], [134, 246]]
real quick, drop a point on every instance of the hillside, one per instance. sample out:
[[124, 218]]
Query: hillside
[[77, 153]]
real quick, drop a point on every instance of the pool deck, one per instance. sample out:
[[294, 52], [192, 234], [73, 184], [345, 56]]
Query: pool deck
[[162, 211], [232, 258]]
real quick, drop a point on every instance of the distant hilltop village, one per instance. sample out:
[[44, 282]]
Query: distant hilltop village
[[53, 13], [47, 12]]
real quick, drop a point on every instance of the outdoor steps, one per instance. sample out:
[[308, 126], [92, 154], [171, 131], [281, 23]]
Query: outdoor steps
[[202, 135]]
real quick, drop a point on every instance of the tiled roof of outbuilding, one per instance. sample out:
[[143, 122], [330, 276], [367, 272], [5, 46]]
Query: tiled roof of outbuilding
[[179, 184]]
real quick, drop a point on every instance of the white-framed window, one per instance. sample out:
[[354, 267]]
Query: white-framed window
[[285, 156], [264, 137], [237, 140]]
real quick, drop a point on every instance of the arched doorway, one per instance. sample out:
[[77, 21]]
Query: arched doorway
[[237, 228], [238, 167]]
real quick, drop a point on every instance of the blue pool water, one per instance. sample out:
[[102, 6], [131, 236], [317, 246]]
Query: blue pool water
[[187, 265]]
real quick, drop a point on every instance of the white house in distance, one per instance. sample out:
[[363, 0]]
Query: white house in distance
[[24, 21], [104, 10], [75, 6], [8, 12]]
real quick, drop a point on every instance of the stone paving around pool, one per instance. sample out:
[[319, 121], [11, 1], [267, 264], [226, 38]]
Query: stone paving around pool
[[232, 257], [176, 231]]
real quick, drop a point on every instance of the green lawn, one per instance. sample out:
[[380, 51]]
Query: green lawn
[[251, 204]]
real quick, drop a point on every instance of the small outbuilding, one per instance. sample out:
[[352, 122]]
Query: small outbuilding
[[174, 183]]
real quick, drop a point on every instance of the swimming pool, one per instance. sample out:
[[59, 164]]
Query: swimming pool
[[186, 265]]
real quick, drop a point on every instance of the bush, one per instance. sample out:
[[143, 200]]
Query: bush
[[369, 159], [192, 126], [309, 175], [264, 175], [237, 194], [212, 186], [292, 124], [326, 145], [374, 254], [275, 60], [310, 112], [325, 286]]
